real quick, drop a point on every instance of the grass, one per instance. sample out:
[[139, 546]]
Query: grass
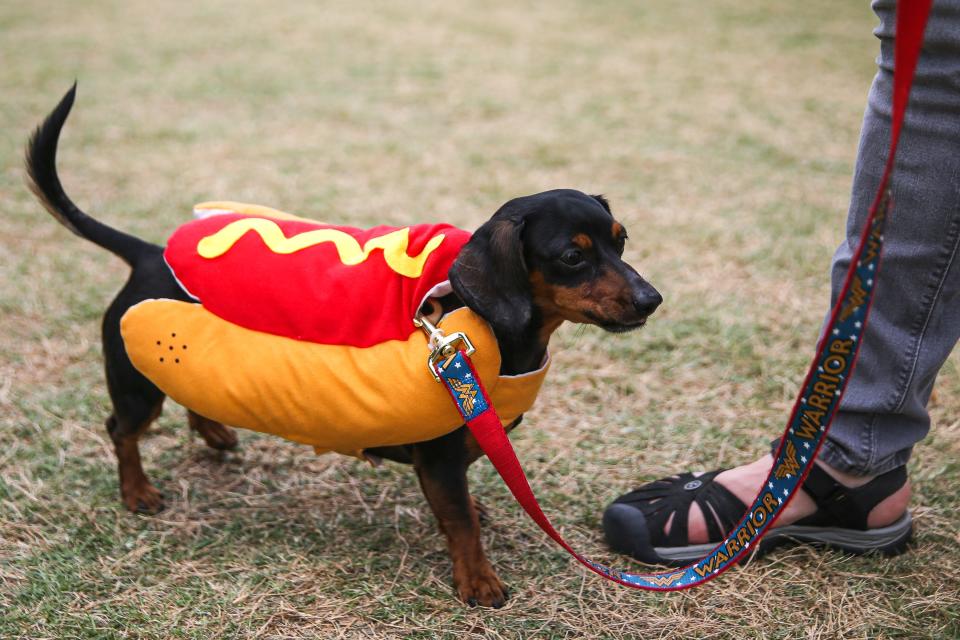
[[724, 134]]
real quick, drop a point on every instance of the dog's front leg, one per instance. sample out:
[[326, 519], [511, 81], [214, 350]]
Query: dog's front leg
[[441, 466]]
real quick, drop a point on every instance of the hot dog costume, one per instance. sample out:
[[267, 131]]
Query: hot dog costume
[[304, 330]]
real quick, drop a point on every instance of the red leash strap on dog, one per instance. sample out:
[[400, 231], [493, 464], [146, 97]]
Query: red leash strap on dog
[[812, 412]]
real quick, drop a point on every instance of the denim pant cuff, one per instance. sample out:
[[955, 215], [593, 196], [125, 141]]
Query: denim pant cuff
[[834, 456]]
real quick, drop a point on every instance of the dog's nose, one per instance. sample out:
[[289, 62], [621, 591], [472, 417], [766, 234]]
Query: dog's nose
[[646, 302]]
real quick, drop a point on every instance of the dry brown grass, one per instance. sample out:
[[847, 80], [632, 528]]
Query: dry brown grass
[[724, 134]]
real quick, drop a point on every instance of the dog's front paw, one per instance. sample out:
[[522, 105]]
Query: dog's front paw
[[482, 587], [142, 497], [216, 435], [220, 437]]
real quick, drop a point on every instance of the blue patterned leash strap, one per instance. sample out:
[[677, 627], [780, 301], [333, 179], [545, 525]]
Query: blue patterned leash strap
[[812, 413]]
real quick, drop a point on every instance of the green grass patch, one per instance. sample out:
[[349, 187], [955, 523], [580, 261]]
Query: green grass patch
[[724, 134]]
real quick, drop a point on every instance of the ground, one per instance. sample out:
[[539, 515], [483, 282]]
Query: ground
[[722, 132]]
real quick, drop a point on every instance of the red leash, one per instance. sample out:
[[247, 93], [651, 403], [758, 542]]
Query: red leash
[[812, 413]]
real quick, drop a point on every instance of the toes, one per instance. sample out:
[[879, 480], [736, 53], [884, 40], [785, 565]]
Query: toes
[[481, 509], [220, 437], [484, 589], [144, 499], [216, 435], [151, 508]]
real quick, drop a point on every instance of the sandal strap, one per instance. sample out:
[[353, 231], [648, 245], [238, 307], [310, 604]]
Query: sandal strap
[[721, 510], [848, 507], [667, 498]]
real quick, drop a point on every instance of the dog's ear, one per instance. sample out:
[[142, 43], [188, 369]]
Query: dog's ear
[[603, 202], [490, 274]]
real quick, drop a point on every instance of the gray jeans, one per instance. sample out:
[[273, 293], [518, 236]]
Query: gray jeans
[[915, 320]]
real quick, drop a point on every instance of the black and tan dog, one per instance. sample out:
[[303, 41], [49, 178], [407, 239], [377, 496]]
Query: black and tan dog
[[540, 260]]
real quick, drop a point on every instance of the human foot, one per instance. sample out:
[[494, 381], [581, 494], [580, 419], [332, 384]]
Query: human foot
[[745, 481], [663, 521]]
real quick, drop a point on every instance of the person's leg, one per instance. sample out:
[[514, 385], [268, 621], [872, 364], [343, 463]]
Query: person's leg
[[914, 321]]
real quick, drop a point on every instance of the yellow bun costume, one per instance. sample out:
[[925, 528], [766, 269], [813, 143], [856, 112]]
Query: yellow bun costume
[[335, 397]]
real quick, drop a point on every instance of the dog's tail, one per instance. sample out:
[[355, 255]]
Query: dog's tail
[[45, 183]]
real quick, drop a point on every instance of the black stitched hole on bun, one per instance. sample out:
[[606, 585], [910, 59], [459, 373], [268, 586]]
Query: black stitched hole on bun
[[184, 346], [177, 360], [161, 359], [158, 343], [173, 335]]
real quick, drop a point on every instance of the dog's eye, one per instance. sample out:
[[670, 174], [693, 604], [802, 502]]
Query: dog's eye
[[572, 257]]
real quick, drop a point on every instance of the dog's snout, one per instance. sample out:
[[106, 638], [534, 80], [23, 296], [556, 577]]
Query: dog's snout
[[647, 301]]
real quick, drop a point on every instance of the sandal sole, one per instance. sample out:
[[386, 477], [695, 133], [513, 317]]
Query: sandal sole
[[889, 541]]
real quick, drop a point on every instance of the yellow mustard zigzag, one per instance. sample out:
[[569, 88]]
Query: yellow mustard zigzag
[[393, 244]]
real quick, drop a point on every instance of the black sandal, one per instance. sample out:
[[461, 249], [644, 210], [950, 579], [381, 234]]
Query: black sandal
[[634, 522]]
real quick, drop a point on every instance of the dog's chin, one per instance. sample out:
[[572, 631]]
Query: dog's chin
[[622, 327]]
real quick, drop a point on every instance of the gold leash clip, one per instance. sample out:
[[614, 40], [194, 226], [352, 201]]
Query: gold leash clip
[[442, 347]]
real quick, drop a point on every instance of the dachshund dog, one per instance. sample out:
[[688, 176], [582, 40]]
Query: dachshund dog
[[540, 260]]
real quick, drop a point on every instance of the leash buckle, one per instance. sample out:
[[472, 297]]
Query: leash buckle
[[442, 347]]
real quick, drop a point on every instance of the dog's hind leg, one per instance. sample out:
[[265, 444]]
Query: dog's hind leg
[[216, 435], [135, 489], [136, 401]]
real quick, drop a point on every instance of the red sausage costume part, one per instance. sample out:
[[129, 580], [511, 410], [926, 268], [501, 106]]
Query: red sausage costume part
[[304, 330], [310, 281]]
